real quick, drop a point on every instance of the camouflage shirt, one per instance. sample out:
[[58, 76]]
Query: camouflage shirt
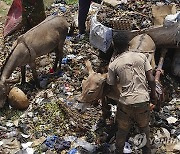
[[130, 70]]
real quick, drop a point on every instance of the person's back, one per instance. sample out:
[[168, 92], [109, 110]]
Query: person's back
[[130, 67], [132, 71]]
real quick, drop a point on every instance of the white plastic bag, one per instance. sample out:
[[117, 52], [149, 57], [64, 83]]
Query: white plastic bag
[[100, 35], [127, 148], [171, 19]]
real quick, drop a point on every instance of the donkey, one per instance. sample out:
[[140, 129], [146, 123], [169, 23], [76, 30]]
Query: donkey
[[47, 36], [95, 88]]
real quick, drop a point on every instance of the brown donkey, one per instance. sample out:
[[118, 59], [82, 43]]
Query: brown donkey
[[47, 36]]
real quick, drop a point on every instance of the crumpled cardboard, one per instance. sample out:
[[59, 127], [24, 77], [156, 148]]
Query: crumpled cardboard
[[161, 11]]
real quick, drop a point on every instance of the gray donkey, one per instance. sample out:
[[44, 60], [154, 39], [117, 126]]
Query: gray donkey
[[47, 36]]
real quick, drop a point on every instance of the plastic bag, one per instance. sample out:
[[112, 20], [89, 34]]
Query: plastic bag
[[171, 19], [84, 144], [127, 148], [100, 35]]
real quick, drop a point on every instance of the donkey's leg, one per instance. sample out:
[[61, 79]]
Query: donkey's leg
[[35, 75], [106, 113], [23, 74], [57, 58], [59, 54]]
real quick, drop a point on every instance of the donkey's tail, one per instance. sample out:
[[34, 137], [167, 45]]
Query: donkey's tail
[[71, 29]]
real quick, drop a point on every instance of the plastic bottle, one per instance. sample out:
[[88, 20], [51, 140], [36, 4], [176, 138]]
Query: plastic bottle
[[73, 151], [11, 134], [64, 60], [86, 145]]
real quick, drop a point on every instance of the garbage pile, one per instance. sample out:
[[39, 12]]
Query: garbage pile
[[52, 122], [130, 15]]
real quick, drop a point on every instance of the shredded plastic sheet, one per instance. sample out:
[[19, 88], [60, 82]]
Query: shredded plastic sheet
[[14, 17], [100, 35]]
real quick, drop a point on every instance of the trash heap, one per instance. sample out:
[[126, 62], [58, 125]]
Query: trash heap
[[126, 16], [130, 15], [52, 123]]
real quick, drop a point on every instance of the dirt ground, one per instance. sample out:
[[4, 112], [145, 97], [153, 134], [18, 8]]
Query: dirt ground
[[3, 10]]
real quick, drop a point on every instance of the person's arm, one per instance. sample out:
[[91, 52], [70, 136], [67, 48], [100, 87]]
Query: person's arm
[[152, 85], [151, 81]]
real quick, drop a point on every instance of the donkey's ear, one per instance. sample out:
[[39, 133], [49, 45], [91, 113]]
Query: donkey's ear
[[89, 66], [104, 76]]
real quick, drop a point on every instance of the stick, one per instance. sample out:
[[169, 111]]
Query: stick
[[77, 118], [160, 65], [159, 87]]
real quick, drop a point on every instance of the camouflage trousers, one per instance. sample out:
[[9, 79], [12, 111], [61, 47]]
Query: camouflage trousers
[[125, 117]]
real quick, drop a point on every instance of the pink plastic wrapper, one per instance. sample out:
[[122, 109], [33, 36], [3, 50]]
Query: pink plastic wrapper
[[14, 18]]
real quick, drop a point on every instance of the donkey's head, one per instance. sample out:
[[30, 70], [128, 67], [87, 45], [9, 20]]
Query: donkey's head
[[5, 88], [92, 87]]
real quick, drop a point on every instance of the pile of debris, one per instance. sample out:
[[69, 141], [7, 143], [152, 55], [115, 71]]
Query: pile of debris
[[52, 123], [131, 15]]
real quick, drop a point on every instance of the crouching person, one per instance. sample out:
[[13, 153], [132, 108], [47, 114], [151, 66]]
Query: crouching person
[[132, 71]]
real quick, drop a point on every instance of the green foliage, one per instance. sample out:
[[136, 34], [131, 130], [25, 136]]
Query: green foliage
[[8, 2], [48, 2], [11, 114], [71, 1], [2, 11]]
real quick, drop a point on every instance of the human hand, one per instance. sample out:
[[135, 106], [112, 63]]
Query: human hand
[[154, 100], [152, 106]]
